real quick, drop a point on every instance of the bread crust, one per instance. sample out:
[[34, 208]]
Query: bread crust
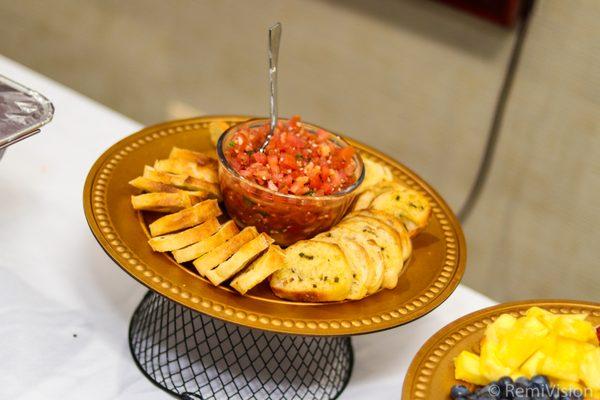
[[186, 218], [273, 260], [163, 202], [228, 230], [185, 238], [216, 256], [239, 260]]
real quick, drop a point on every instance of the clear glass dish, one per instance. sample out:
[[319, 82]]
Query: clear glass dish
[[286, 218]]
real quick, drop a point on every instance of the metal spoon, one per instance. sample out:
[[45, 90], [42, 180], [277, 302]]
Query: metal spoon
[[274, 38]]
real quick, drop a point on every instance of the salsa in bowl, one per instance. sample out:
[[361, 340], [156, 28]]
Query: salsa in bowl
[[301, 185]]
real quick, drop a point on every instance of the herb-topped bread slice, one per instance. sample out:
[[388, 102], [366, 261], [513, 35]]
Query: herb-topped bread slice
[[315, 272], [408, 205], [359, 261], [387, 239], [374, 254], [395, 223]]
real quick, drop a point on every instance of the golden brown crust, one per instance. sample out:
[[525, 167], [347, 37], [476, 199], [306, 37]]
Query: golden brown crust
[[185, 238], [187, 218], [189, 253], [163, 202], [184, 182], [206, 173], [190, 155], [270, 262], [221, 253], [238, 261]]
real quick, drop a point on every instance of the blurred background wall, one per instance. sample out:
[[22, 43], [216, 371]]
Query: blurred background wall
[[414, 78]]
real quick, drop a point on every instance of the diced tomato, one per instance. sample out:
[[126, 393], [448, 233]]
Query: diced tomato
[[259, 157], [296, 161]]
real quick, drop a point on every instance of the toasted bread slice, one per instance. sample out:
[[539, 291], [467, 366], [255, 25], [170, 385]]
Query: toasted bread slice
[[183, 182], [206, 173], [222, 252], [273, 260], [387, 239], [364, 199], [190, 155], [316, 271], [225, 232], [187, 218], [216, 129], [182, 239], [359, 262], [407, 204], [163, 202], [238, 261], [394, 223], [375, 173], [151, 186], [374, 253]]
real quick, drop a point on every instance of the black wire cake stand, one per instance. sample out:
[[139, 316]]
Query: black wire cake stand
[[193, 356]]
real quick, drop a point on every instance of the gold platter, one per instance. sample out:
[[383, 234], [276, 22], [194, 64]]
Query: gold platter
[[431, 373], [436, 267]]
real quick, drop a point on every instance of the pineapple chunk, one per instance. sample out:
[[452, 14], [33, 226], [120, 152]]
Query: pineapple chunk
[[563, 362], [490, 367], [521, 341], [532, 365], [576, 329], [544, 316], [589, 368], [500, 327], [467, 368]]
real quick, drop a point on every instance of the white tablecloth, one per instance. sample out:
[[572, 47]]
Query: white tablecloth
[[65, 306]]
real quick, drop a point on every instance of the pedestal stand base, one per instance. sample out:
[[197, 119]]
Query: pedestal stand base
[[193, 356]]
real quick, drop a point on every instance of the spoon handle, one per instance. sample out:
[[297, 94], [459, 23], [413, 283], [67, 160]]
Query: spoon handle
[[274, 38]]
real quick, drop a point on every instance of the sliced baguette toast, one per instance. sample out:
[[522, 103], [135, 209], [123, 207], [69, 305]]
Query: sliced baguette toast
[[183, 182], [373, 252], [187, 218], [364, 199], [163, 202], [182, 239], [359, 262], [273, 260], [375, 173], [396, 224], [190, 155], [189, 253], [387, 239], [238, 261], [221, 253], [206, 173], [315, 272], [408, 205], [151, 186]]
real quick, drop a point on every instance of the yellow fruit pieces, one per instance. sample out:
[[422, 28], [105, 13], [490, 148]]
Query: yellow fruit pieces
[[563, 347]]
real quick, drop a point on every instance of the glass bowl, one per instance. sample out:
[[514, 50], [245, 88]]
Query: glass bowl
[[286, 218]]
